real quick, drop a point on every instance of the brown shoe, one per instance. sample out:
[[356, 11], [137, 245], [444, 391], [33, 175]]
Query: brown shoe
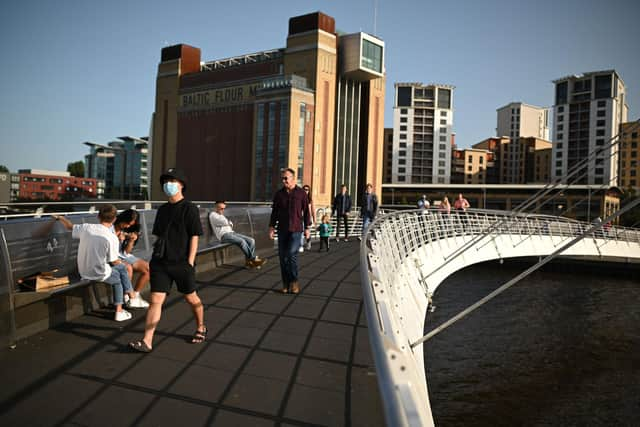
[[283, 290], [295, 287], [258, 262]]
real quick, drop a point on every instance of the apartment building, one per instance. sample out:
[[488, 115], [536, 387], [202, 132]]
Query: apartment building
[[422, 133]]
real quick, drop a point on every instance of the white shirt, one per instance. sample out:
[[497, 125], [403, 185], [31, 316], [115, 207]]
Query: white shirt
[[220, 224], [98, 247]]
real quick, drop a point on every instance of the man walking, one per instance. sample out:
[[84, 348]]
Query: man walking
[[368, 208], [341, 207], [177, 228], [223, 229], [290, 213]]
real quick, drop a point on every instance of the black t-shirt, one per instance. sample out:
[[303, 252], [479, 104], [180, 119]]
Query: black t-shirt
[[183, 220]]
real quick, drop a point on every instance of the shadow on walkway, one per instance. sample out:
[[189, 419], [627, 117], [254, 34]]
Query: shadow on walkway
[[270, 359]]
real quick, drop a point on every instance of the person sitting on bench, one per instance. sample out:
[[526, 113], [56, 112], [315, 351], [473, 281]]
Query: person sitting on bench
[[223, 229], [98, 256]]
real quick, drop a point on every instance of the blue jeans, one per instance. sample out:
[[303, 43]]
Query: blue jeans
[[120, 282], [247, 244], [288, 246], [366, 220]]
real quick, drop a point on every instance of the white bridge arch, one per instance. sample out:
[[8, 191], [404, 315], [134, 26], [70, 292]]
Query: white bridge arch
[[406, 255]]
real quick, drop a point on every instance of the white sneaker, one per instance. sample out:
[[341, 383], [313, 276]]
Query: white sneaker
[[137, 302], [126, 298], [123, 315], [301, 249]]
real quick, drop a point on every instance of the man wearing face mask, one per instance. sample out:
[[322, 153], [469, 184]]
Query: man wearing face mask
[[177, 227]]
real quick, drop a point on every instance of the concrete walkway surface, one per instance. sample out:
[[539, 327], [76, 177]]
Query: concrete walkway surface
[[269, 359]]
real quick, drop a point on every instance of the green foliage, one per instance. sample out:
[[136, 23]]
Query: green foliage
[[76, 169], [3, 168]]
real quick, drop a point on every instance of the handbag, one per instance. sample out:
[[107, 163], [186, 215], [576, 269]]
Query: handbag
[[160, 245]]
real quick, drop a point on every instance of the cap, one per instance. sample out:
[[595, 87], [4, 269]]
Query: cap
[[174, 173]]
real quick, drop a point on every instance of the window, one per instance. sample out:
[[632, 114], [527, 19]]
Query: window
[[634, 135], [442, 155], [444, 98], [560, 127], [401, 178], [470, 159], [442, 146], [441, 163], [470, 168], [443, 113], [558, 172], [403, 120], [558, 154], [558, 163], [599, 141], [601, 113], [371, 56], [443, 121], [403, 145], [599, 171], [403, 127], [561, 109], [443, 130], [443, 138], [403, 111], [560, 136], [600, 123], [600, 132], [559, 145], [403, 136], [402, 170], [602, 103], [561, 118], [481, 160]]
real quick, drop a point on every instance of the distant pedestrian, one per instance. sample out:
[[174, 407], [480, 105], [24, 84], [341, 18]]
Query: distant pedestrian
[[341, 208], [461, 204], [368, 207], [177, 228], [423, 202], [445, 206], [324, 229], [290, 213]]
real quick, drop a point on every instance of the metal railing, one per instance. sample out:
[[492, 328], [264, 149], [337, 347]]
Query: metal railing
[[401, 250]]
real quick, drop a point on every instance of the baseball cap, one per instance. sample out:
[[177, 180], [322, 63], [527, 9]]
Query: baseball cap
[[174, 173]]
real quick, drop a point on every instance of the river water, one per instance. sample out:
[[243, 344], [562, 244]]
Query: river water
[[560, 348]]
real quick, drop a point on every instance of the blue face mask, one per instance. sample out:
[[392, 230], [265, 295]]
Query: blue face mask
[[170, 188]]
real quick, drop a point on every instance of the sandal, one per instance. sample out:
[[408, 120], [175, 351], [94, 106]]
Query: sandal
[[140, 346], [199, 336]]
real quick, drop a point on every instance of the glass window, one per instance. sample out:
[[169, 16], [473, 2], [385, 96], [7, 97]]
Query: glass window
[[403, 127], [403, 111], [443, 138], [443, 130], [403, 136], [600, 132], [371, 56], [600, 123], [402, 153], [444, 98], [561, 109], [443, 122], [442, 146], [443, 113], [602, 103], [402, 162], [404, 97], [561, 118], [601, 113], [561, 93], [403, 120]]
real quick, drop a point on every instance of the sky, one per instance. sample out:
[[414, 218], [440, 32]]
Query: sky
[[84, 70]]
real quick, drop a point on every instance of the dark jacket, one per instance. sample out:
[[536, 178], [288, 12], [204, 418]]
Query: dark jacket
[[374, 206], [290, 210], [340, 208]]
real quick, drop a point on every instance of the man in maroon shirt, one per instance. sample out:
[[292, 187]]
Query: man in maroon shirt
[[290, 213]]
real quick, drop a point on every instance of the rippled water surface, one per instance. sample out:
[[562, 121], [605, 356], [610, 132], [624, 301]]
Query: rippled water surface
[[560, 348]]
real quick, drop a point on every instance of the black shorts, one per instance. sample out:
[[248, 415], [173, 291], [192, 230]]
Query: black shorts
[[164, 274]]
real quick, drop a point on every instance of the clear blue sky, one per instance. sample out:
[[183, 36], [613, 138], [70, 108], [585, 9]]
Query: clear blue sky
[[78, 70]]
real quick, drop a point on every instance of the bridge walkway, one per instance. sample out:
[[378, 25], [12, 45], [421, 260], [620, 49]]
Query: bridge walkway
[[269, 360]]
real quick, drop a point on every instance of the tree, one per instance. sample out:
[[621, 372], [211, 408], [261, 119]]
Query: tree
[[76, 169], [3, 168]]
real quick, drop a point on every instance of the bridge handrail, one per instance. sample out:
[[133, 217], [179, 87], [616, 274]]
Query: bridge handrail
[[388, 281]]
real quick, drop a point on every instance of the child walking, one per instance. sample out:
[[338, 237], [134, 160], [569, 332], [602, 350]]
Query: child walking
[[325, 231]]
